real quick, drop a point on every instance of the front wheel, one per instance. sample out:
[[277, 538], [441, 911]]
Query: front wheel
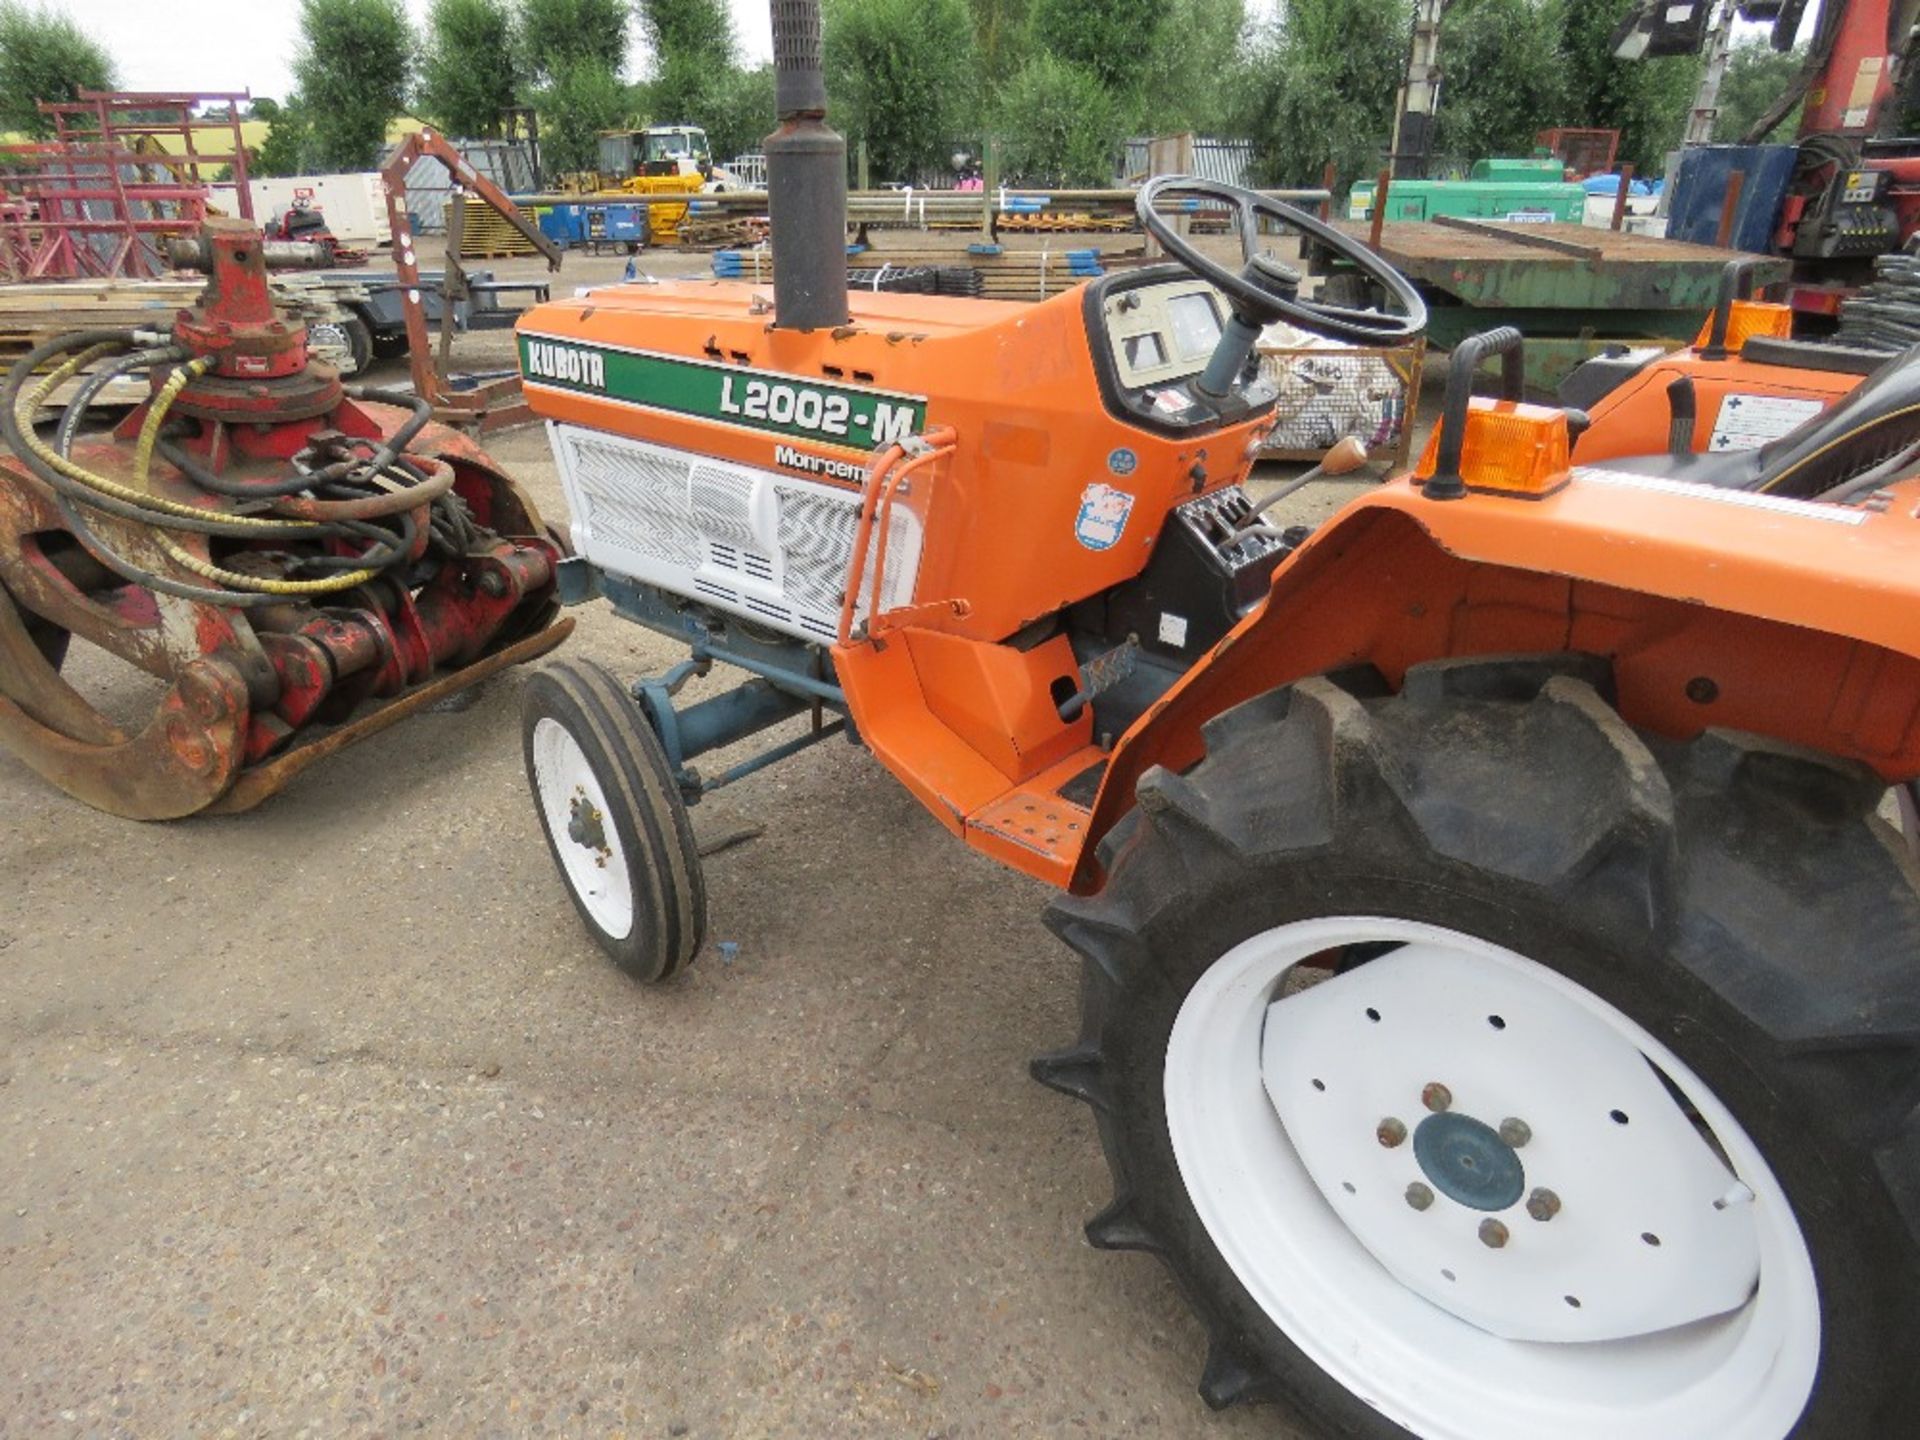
[[614, 819], [1486, 1070]]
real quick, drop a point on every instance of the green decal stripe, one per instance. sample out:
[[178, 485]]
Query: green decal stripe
[[714, 392]]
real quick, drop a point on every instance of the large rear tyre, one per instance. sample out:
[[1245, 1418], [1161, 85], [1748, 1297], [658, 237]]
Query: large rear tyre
[[1601, 1123], [614, 819]]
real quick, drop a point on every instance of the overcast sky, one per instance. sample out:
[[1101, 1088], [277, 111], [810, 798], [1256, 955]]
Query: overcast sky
[[222, 45]]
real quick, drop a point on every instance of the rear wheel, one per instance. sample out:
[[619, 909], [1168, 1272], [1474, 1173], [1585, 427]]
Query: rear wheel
[[614, 819], [1482, 1068]]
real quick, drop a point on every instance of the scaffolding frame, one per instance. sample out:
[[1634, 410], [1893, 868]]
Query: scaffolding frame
[[99, 199]]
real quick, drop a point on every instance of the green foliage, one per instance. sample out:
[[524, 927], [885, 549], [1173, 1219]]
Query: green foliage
[[999, 35], [682, 92], [44, 56], [739, 114], [289, 146], [581, 100], [1058, 125], [1319, 87], [563, 35], [467, 73], [900, 77], [1192, 67], [1110, 39], [1503, 76], [1757, 75], [352, 70], [687, 32], [1647, 101]]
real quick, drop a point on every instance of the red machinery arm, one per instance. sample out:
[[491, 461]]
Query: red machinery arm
[[420, 144], [1852, 70]]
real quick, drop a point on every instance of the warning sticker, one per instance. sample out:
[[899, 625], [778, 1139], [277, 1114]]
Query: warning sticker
[[1748, 421], [1103, 515]]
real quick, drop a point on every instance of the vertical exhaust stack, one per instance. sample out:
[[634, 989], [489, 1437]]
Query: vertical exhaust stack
[[806, 179]]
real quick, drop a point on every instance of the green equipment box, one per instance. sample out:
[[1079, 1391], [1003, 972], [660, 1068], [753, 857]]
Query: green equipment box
[[1512, 190]]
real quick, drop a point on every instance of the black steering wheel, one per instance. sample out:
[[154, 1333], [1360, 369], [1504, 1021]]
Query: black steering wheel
[[1264, 290]]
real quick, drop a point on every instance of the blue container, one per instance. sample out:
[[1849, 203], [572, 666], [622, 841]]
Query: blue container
[[1700, 191], [563, 224], [626, 223]]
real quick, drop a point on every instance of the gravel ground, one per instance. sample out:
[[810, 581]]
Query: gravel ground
[[329, 1119]]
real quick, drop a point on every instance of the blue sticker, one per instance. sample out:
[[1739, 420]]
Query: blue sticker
[[1122, 461], [1103, 515]]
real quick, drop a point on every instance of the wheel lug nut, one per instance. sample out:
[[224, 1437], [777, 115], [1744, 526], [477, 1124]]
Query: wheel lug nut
[[1390, 1132], [1515, 1132], [1419, 1196], [1493, 1234], [1543, 1204], [1436, 1097]]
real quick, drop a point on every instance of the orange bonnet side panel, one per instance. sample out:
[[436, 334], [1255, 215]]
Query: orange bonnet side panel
[[1739, 406]]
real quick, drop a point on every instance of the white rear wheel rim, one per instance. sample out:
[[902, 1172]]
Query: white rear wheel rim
[[1317, 1261], [585, 838]]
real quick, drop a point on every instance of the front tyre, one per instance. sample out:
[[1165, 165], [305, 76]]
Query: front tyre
[[614, 819], [1599, 1122]]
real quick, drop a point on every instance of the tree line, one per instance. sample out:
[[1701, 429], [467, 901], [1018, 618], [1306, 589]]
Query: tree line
[[1059, 83]]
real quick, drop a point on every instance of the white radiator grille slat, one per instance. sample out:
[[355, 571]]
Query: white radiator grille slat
[[774, 548]]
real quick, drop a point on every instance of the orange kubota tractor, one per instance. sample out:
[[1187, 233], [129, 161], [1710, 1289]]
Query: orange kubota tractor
[[1499, 992]]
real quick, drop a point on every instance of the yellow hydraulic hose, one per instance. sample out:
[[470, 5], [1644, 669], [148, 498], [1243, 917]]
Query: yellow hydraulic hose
[[156, 417], [84, 476], [142, 467]]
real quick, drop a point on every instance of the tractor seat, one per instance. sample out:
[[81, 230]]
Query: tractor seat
[[1873, 428]]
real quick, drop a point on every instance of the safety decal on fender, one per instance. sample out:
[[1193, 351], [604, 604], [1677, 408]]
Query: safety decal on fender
[[1746, 422], [1103, 515]]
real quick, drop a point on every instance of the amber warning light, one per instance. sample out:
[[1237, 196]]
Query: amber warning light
[[1509, 447]]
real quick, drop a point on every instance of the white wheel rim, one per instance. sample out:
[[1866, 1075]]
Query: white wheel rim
[[585, 838], [1267, 1157], [328, 340]]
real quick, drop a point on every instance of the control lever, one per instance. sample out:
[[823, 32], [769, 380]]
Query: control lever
[[1344, 458], [1681, 410]]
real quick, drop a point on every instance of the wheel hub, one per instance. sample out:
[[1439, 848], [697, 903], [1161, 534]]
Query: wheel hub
[[1610, 1158], [1466, 1160], [584, 824]]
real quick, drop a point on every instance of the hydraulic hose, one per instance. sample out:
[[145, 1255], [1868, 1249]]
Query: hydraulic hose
[[75, 413], [294, 516], [25, 443]]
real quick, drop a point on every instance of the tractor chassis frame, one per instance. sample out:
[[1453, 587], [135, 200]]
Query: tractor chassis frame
[[787, 678]]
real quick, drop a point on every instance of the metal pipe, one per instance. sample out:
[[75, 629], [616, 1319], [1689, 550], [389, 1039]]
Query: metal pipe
[[1446, 482], [187, 252], [875, 205], [782, 679], [806, 180], [772, 755], [1620, 198]]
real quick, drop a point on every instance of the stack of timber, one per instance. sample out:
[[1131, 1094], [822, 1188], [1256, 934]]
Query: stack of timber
[[36, 312], [487, 234], [1003, 274], [715, 232], [1065, 224]]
